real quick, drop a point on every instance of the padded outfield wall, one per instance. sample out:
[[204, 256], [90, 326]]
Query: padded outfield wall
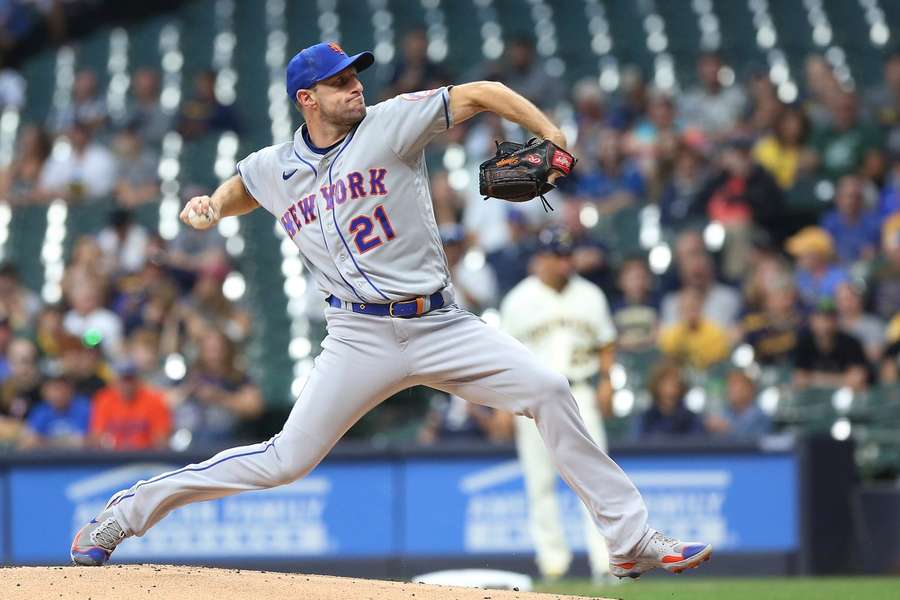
[[396, 512]]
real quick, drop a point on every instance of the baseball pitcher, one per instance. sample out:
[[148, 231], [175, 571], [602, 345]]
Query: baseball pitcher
[[564, 320], [351, 191]]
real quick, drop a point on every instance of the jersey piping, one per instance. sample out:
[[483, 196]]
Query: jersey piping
[[338, 228]]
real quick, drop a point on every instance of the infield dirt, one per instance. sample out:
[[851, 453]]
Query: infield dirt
[[163, 582]]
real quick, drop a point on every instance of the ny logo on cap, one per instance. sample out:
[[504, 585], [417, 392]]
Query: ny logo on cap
[[334, 46]]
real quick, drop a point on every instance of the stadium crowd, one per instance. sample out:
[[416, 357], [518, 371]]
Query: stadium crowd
[[773, 228]]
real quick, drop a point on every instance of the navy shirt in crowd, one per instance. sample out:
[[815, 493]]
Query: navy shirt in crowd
[[680, 422]]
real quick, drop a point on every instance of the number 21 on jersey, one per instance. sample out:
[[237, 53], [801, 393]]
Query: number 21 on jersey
[[362, 228]]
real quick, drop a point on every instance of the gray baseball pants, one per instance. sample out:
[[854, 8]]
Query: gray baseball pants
[[366, 359]]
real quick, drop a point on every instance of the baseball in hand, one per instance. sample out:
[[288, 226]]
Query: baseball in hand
[[199, 220]]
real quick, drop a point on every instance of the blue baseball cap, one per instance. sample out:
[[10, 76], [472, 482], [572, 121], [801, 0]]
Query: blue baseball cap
[[312, 65]]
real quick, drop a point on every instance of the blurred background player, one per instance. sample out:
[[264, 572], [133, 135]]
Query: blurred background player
[[565, 320]]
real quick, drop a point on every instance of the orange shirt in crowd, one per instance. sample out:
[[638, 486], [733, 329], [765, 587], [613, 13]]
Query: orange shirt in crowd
[[122, 424]]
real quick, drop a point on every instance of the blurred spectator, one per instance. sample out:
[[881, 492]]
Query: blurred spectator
[[448, 205], [890, 364], [143, 348], [680, 191], [12, 86], [452, 418], [473, 280], [712, 107], [854, 229], [217, 396], [742, 418], [853, 319], [123, 242], [892, 334], [129, 414], [510, 261], [522, 71], [84, 171], [414, 71], [590, 254], [6, 336], [632, 98], [207, 307], [667, 416], [145, 114], [147, 300], [137, 181], [590, 104], [847, 141], [768, 267], [884, 100], [821, 86], [20, 391], [18, 304], [741, 195], [636, 313], [616, 182], [61, 419], [19, 181], [49, 331], [889, 198], [87, 106], [765, 107], [203, 113], [87, 262], [721, 303], [886, 272], [642, 141], [694, 339], [83, 365], [817, 276], [772, 331], [785, 152], [89, 319], [826, 357]]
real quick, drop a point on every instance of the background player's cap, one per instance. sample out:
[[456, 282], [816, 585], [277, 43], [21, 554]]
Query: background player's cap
[[555, 240], [315, 63]]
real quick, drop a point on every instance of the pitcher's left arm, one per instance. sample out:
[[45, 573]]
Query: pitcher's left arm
[[469, 99]]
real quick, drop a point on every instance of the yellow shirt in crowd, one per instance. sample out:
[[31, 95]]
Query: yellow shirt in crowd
[[778, 160], [700, 346]]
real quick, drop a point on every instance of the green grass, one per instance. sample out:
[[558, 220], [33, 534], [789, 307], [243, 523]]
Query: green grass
[[763, 588]]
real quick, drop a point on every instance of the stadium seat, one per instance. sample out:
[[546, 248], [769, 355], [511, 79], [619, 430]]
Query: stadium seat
[[628, 35], [143, 43], [87, 218], [26, 236], [465, 40]]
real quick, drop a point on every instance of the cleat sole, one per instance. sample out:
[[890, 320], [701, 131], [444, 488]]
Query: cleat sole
[[692, 563]]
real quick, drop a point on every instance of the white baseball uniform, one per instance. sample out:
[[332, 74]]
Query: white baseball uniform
[[361, 215], [565, 330]]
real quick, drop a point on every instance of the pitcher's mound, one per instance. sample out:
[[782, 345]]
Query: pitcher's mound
[[163, 582]]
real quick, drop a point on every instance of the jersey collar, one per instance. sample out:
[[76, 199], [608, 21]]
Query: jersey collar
[[305, 148]]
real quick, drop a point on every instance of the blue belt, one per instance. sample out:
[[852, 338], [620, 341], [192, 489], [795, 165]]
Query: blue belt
[[404, 309]]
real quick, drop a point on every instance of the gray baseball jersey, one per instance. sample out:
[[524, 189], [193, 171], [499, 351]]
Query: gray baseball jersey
[[360, 212]]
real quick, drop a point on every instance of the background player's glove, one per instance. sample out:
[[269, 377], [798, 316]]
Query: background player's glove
[[519, 172]]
